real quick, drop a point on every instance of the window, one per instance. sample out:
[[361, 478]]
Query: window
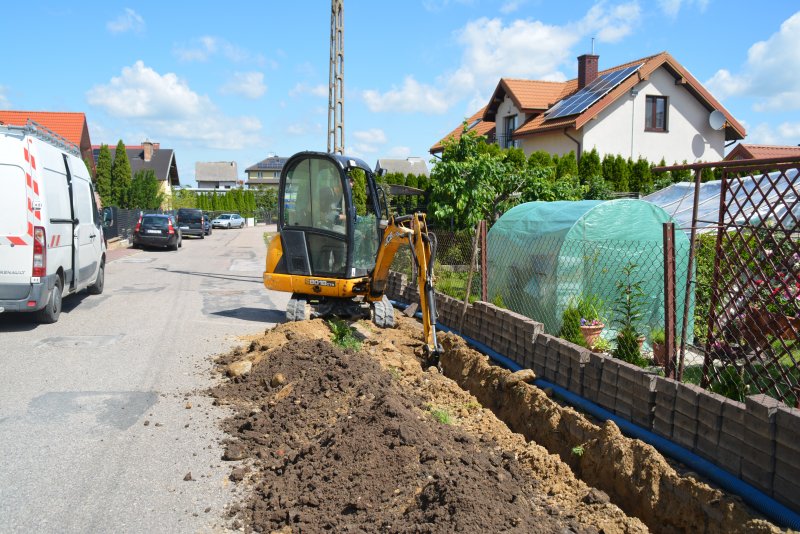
[[508, 131], [655, 116]]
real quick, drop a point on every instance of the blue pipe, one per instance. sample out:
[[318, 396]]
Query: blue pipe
[[754, 497]]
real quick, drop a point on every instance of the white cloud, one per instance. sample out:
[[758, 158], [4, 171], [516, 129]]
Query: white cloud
[[399, 152], [141, 92], [373, 135], [672, 7], [304, 128], [411, 97], [609, 24], [439, 5], [166, 106], [362, 148], [520, 49], [510, 6], [771, 74], [5, 103], [786, 133], [128, 21], [247, 84], [305, 89], [208, 46]]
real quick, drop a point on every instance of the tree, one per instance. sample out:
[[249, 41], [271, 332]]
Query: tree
[[620, 174], [121, 177], [641, 179], [541, 159], [359, 191], [182, 198], [607, 167], [145, 191], [589, 167], [266, 200], [567, 166], [470, 183], [103, 176]]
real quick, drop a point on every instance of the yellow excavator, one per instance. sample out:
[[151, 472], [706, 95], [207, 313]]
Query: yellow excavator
[[334, 256]]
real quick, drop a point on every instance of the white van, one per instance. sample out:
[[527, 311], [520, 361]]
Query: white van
[[51, 237]]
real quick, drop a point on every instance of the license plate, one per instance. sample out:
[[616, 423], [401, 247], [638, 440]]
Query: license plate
[[184, 227], [153, 231]]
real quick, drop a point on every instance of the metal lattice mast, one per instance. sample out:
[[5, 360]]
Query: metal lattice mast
[[336, 81]]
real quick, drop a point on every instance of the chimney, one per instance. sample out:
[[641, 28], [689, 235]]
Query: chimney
[[587, 69], [147, 146]]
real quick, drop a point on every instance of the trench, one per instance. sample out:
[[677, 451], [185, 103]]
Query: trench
[[634, 474]]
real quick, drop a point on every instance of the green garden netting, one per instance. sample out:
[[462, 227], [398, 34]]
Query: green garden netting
[[545, 255]]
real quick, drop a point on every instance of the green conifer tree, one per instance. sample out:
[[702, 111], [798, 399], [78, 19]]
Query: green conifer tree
[[589, 167], [103, 176], [121, 177]]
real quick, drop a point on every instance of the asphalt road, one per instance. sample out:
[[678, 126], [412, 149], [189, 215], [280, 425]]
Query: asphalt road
[[102, 414]]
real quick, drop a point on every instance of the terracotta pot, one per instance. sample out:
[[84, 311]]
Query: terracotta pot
[[659, 354], [591, 333]]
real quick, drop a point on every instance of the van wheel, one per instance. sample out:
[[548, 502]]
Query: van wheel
[[49, 314], [97, 287]]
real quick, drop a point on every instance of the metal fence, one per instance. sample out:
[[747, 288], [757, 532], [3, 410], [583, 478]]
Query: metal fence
[[747, 285]]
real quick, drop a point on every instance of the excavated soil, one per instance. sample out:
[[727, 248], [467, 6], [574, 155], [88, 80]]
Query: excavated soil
[[343, 441]]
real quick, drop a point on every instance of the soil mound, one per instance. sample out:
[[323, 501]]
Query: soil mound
[[331, 441]]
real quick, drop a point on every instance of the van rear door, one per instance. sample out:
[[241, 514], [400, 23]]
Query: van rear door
[[16, 245]]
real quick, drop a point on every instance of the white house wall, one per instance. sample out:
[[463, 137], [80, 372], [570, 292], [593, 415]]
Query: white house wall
[[554, 142], [619, 129]]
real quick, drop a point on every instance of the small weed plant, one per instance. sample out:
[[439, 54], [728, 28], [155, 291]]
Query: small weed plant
[[578, 450], [440, 414], [343, 335]]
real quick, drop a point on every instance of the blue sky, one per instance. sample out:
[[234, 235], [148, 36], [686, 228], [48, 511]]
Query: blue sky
[[235, 82]]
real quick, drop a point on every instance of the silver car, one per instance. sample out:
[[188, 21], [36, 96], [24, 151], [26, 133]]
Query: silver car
[[228, 220]]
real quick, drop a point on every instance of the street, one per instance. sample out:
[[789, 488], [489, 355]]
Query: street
[[103, 415]]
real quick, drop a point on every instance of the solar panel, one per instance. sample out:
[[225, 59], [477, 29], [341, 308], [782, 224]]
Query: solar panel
[[580, 101], [271, 163]]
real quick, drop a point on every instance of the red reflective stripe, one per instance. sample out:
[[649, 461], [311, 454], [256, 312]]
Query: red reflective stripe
[[36, 187], [30, 229], [58, 239], [27, 157], [33, 162], [16, 240], [38, 214], [28, 179], [30, 204]]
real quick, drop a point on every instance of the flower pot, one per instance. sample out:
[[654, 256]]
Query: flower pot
[[591, 333], [659, 354]]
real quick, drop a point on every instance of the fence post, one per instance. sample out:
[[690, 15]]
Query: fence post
[[669, 299], [484, 265], [473, 259]]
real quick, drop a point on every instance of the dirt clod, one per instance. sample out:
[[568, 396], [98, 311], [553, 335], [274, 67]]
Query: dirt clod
[[188, 477]]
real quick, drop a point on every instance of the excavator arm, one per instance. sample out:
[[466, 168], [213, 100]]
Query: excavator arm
[[410, 230]]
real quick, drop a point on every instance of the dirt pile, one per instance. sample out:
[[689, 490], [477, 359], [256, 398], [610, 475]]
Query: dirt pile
[[336, 440]]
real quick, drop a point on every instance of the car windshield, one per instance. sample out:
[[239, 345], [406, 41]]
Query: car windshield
[[190, 216], [224, 216], [154, 222]]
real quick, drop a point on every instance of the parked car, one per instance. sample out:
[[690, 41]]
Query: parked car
[[190, 221], [154, 230], [51, 234], [207, 224], [228, 220]]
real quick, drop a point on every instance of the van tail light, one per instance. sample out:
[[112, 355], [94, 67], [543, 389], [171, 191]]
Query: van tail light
[[170, 228], [39, 252], [138, 225]]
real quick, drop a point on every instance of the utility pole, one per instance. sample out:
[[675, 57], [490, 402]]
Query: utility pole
[[336, 81]]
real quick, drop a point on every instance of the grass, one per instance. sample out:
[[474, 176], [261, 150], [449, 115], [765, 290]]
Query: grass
[[441, 415], [578, 450], [343, 335]]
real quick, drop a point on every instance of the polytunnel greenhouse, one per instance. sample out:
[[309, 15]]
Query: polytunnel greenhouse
[[544, 256]]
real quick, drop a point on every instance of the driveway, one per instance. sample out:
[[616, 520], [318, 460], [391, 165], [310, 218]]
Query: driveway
[[102, 414]]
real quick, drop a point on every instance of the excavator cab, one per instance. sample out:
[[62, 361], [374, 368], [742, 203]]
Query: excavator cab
[[324, 233]]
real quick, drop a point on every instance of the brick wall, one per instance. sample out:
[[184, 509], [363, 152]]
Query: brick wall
[[757, 441]]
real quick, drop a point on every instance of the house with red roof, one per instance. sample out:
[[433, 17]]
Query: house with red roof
[[71, 126], [745, 151], [651, 107]]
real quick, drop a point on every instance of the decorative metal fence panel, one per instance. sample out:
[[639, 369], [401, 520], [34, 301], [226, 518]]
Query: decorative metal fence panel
[[753, 320]]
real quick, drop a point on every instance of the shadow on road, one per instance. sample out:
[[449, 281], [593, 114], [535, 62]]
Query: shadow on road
[[17, 322], [260, 315], [234, 277]]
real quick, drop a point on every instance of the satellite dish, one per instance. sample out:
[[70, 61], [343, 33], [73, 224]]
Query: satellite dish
[[716, 120]]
